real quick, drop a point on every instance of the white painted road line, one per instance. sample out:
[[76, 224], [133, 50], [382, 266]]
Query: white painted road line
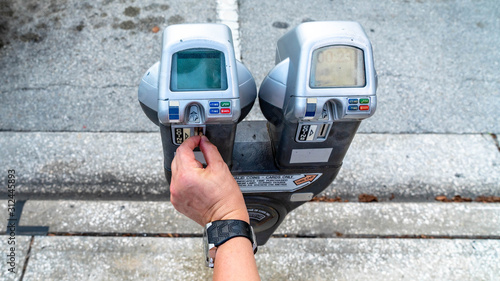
[[227, 13]]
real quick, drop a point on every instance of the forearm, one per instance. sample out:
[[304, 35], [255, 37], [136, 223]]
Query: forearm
[[209, 194], [235, 261]]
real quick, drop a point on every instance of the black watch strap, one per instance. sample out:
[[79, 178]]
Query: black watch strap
[[221, 231]]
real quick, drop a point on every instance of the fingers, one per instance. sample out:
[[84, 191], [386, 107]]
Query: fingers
[[184, 156], [190, 144], [210, 151]]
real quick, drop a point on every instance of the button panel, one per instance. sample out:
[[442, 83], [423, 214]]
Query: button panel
[[363, 107], [219, 107]]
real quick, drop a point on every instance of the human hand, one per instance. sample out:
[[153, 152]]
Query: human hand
[[205, 194]]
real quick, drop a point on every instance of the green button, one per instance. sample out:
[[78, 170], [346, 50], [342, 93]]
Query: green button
[[364, 100], [225, 104]]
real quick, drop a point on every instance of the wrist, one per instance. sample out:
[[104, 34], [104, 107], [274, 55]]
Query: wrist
[[234, 209], [241, 215]]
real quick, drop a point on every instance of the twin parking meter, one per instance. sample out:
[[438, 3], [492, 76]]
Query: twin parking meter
[[323, 85]]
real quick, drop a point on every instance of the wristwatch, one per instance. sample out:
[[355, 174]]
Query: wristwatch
[[218, 232]]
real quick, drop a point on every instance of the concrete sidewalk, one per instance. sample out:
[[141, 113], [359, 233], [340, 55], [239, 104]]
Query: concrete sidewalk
[[123, 240], [401, 167], [132, 258], [71, 128]]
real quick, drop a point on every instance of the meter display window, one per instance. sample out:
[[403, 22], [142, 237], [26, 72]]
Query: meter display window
[[198, 70], [337, 67]]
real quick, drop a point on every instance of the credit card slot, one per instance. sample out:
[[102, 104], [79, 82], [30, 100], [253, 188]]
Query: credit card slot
[[323, 129], [198, 131]]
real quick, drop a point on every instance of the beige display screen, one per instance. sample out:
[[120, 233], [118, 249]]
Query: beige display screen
[[337, 66]]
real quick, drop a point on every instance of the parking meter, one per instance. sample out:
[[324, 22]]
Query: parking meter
[[314, 99], [197, 87], [323, 85]]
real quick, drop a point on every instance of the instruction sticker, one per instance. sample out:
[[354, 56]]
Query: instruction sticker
[[275, 183], [181, 134]]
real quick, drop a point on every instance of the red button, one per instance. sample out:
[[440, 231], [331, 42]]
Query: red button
[[364, 107], [225, 110]]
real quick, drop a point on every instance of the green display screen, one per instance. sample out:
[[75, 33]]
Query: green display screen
[[198, 70]]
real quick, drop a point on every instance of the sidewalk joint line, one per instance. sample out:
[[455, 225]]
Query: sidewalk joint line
[[495, 140], [375, 236], [26, 260], [52, 85], [281, 236], [125, 234]]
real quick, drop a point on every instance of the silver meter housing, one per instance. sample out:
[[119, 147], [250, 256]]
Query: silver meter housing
[[324, 75], [192, 53], [330, 61], [197, 87]]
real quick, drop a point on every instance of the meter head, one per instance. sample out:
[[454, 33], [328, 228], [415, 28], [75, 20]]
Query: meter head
[[324, 71], [324, 83], [197, 83], [197, 87], [198, 76]]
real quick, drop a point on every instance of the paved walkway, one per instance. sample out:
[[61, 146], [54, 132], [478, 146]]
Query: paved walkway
[[124, 240]]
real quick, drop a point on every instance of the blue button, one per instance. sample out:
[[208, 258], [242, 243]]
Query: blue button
[[353, 101], [173, 116], [214, 104], [174, 110], [352, 107], [214, 111]]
